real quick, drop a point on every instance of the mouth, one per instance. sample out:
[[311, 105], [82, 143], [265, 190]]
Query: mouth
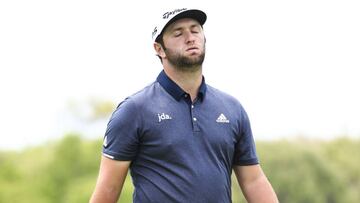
[[192, 49]]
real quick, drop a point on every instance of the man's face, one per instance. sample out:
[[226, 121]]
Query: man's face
[[184, 43]]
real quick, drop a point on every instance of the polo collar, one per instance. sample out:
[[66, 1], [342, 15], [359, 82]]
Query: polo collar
[[174, 90]]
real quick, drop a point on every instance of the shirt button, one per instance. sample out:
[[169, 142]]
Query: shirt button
[[186, 96], [192, 106], [194, 119]]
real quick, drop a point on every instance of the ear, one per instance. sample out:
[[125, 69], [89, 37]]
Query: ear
[[159, 50]]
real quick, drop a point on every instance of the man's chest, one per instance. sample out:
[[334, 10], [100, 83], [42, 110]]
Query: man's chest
[[188, 130]]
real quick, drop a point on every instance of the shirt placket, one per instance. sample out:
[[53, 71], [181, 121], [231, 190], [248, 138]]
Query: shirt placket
[[195, 120], [193, 113]]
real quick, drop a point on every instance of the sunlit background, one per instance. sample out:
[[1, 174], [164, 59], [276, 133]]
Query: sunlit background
[[294, 65]]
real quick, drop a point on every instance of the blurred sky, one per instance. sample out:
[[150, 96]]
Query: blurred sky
[[294, 65]]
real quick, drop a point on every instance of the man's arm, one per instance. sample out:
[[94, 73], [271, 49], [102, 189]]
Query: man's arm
[[111, 178], [254, 184]]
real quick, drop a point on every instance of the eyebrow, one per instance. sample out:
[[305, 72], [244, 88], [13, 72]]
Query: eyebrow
[[181, 28]]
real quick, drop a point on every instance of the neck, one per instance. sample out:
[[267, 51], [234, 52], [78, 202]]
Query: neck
[[188, 80]]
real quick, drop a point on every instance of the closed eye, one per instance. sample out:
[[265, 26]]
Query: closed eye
[[177, 33], [195, 29]]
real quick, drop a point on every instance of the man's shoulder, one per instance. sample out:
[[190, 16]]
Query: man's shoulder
[[222, 95], [145, 92], [137, 100], [144, 95]]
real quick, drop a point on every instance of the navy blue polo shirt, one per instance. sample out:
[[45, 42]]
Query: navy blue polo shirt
[[181, 151]]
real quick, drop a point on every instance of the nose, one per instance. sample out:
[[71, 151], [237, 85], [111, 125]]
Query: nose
[[189, 37]]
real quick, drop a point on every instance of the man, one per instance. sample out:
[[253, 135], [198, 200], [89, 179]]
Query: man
[[180, 137]]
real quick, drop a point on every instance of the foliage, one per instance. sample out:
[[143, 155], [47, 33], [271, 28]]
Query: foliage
[[299, 170]]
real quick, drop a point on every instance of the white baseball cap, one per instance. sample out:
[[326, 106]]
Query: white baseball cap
[[171, 16]]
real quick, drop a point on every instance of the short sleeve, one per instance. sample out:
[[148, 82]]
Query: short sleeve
[[121, 138], [245, 151]]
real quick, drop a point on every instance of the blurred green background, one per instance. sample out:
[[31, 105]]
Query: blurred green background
[[65, 170]]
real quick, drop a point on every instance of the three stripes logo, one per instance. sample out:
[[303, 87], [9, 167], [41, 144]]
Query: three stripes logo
[[222, 119]]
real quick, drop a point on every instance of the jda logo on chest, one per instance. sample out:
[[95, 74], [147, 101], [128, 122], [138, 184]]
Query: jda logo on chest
[[163, 116]]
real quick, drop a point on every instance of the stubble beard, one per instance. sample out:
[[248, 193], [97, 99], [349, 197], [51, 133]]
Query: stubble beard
[[185, 63]]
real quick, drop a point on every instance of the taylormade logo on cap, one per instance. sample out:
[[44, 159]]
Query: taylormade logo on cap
[[170, 16], [167, 14]]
